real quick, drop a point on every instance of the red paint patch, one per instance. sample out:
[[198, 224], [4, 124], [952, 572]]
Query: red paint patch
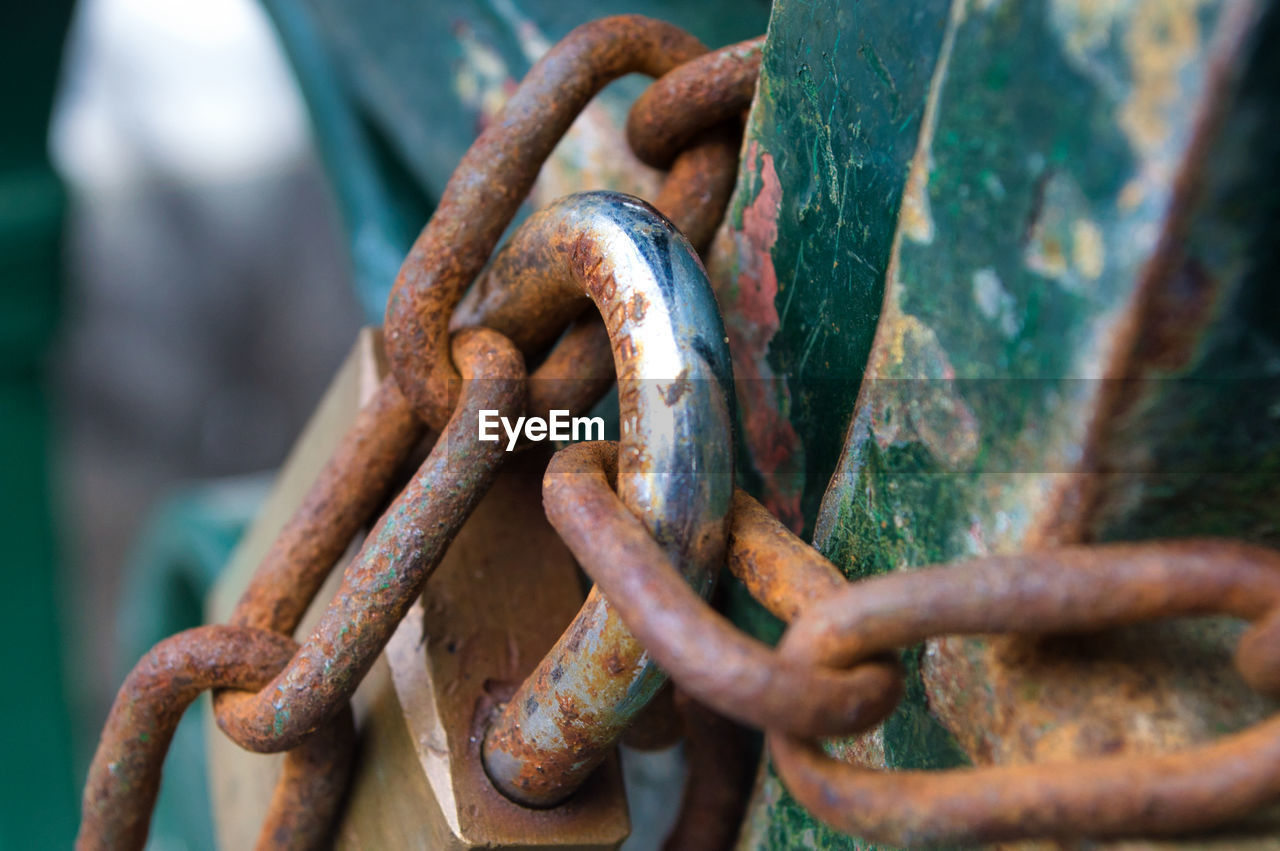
[[751, 321]]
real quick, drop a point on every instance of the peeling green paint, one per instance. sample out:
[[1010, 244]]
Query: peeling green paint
[[1030, 189], [837, 115]]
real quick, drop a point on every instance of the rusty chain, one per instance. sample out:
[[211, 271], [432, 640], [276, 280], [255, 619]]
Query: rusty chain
[[839, 629], [835, 671], [319, 677]]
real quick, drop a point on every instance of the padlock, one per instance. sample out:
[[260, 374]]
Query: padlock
[[493, 607]]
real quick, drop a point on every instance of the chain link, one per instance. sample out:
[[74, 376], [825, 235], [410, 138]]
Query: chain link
[[124, 777], [835, 671]]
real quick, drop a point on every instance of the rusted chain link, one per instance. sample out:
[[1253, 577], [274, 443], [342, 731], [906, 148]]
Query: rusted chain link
[[694, 196], [702, 92], [125, 775], [779, 570], [832, 674], [848, 628], [394, 563], [352, 484], [705, 654], [1069, 590], [492, 181]]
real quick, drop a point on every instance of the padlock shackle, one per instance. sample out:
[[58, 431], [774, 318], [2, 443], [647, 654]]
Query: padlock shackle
[[675, 396]]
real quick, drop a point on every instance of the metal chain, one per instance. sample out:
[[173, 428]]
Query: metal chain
[[834, 654], [834, 673], [124, 778], [273, 699]]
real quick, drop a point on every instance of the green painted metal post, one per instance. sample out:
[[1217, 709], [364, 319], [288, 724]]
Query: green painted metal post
[[1059, 220], [38, 790]]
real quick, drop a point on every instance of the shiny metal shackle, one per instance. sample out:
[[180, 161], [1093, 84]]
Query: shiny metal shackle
[[675, 392]]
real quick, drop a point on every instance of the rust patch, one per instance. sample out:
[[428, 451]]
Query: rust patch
[[492, 181]]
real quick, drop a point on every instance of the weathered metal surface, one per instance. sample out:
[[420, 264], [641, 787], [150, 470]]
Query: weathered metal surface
[[125, 775], [799, 271], [395, 562], [700, 137], [778, 569], [361, 470], [579, 369], [696, 191], [492, 181], [418, 778], [400, 553], [976, 132], [676, 473], [1046, 180], [1038, 594], [576, 373]]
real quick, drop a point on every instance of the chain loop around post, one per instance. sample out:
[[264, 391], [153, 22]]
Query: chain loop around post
[[840, 633]]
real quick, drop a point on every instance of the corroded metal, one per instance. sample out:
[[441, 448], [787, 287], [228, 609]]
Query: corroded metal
[[576, 373], [847, 628], [710, 659], [1037, 594], [701, 137], [906, 182], [778, 569], [396, 559], [516, 296], [698, 187], [394, 562], [699, 94], [676, 471], [493, 179], [579, 368], [362, 469], [124, 778]]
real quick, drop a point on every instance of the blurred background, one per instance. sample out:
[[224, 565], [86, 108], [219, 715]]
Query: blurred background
[[176, 296]]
